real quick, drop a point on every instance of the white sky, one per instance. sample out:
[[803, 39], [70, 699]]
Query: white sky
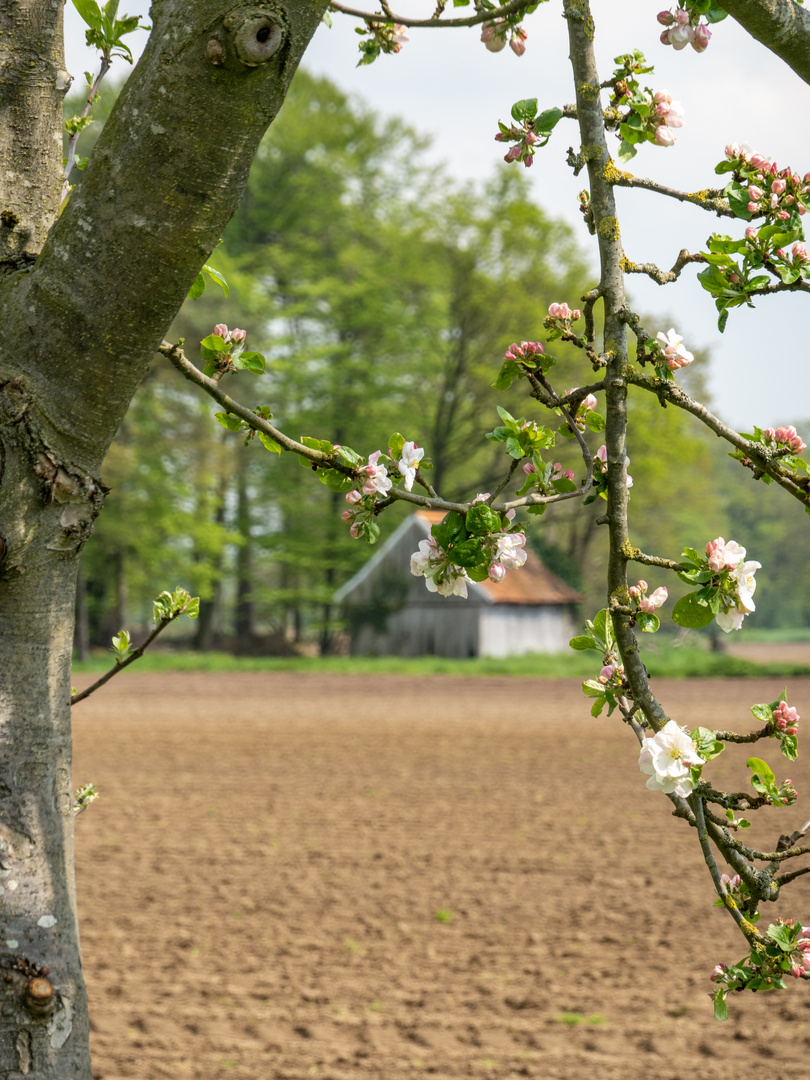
[[444, 83]]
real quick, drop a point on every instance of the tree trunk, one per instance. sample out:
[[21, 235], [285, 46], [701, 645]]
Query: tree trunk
[[78, 330]]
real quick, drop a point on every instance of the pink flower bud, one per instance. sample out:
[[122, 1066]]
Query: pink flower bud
[[802, 209], [528, 467], [528, 161], [759, 161], [799, 252], [576, 314], [780, 252], [238, 336], [664, 136], [662, 97], [496, 572], [732, 151], [502, 136], [754, 192], [356, 531], [665, 18], [589, 403], [221, 330], [347, 515], [701, 39], [751, 233], [517, 42], [792, 731], [752, 208], [353, 497], [734, 278], [512, 154], [778, 187]]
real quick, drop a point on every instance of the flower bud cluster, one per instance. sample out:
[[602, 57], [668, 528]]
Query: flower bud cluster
[[786, 719], [648, 603], [558, 321], [525, 351], [495, 34], [671, 353], [485, 554], [733, 578], [525, 143], [375, 482], [684, 27], [785, 438], [665, 116], [379, 38]]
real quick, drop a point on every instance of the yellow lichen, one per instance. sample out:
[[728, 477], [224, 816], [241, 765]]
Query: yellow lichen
[[612, 175], [628, 266], [609, 228], [588, 92]]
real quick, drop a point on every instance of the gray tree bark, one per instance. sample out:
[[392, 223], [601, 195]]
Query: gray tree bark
[[780, 25], [78, 328]]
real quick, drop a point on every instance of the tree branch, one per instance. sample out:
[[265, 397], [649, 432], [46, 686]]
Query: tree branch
[[780, 25], [711, 199], [760, 459], [388, 16], [663, 277]]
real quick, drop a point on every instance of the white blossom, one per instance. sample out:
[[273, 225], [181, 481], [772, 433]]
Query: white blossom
[[667, 757]]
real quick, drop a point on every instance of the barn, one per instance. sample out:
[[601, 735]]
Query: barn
[[390, 612]]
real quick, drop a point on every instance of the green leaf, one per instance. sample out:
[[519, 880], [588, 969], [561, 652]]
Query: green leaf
[[482, 520], [250, 361], [603, 629], [198, 288], [450, 530], [764, 713], [268, 443], [583, 642], [469, 553], [648, 622], [626, 151], [507, 375], [690, 613], [720, 1006], [232, 423], [526, 109], [217, 277], [761, 769], [593, 688], [548, 120], [89, 11], [708, 746], [214, 343]]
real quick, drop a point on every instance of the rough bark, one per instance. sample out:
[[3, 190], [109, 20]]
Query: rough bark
[[780, 25], [77, 331], [594, 152]]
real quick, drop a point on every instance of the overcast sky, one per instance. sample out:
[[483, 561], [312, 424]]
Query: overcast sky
[[446, 84]]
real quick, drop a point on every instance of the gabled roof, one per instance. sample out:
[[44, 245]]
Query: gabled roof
[[532, 584]]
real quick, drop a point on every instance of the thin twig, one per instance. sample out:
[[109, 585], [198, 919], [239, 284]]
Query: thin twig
[[758, 457], [136, 654], [663, 277], [711, 199], [388, 16]]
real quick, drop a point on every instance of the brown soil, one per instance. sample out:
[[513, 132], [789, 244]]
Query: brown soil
[[263, 882]]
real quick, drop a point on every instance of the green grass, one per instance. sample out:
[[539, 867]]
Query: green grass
[[661, 662]]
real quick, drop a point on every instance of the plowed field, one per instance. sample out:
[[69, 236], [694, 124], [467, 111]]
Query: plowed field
[[292, 876]]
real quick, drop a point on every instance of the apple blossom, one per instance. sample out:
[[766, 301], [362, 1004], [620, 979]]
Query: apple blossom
[[496, 572], [409, 463], [785, 717], [702, 37], [377, 481], [439, 573], [668, 757], [517, 42], [743, 577], [722, 555], [664, 136], [493, 35], [648, 604], [510, 551], [675, 354], [526, 350], [399, 36], [799, 252], [789, 437]]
